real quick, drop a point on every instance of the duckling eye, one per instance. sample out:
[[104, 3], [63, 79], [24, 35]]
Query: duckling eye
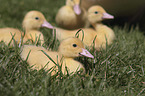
[[96, 12], [37, 18], [74, 45]]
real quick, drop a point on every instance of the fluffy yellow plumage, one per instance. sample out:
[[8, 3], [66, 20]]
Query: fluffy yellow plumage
[[31, 23], [71, 16], [102, 33], [33, 20], [68, 50], [6, 35]]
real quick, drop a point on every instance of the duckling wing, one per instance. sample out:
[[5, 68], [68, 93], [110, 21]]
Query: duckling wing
[[72, 66], [35, 36], [37, 58], [6, 35]]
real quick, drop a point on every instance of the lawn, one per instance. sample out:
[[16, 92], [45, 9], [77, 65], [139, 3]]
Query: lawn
[[116, 71]]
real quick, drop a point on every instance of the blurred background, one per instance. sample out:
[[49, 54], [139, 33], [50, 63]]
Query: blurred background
[[129, 12]]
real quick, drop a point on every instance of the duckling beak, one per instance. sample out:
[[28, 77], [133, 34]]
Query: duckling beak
[[86, 53], [77, 9], [47, 25], [107, 16]]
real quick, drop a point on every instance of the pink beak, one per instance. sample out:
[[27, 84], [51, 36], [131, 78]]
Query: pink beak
[[107, 16], [47, 25], [86, 53], [77, 9]]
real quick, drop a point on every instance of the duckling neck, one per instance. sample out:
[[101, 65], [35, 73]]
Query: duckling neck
[[96, 25], [29, 30], [64, 57], [68, 3], [67, 60]]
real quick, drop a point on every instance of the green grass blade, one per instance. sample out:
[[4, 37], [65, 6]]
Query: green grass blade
[[77, 34], [50, 58]]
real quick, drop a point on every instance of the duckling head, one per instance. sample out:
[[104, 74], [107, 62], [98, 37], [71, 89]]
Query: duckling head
[[35, 20], [97, 14], [75, 4], [73, 47]]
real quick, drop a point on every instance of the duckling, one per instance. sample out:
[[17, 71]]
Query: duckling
[[71, 16], [105, 35], [99, 34], [68, 50], [31, 23]]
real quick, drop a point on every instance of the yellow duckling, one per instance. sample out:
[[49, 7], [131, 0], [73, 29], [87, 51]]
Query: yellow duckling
[[68, 50], [31, 23], [71, 16], [101, 32], [104, 34]]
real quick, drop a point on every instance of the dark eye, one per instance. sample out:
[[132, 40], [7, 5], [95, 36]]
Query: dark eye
[[74, 45], [96, 12], [37, 18]]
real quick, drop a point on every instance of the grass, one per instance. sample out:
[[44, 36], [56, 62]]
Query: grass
[[116, 71]]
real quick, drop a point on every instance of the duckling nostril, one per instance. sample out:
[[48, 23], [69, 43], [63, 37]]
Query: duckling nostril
[[86, 52], [80, 54]]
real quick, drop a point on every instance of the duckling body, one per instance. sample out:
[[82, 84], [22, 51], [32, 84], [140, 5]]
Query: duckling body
[[88, 35], [35, 35], [105, 36], [99, 35], [68, 50], [31, 23], [37, 58], [71, 17], [69, 62], [6, 35]]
